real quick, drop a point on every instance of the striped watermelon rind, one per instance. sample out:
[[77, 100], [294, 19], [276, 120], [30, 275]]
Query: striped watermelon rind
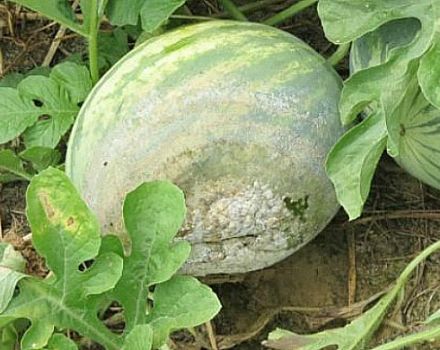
[[419, 134], [240, 116]]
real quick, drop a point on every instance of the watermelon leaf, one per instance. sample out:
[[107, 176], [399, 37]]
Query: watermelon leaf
[[61, 342], [13, 79], [396, 45], [352, 161], [140, 338], [12, 266], [112, 46], [8, 338], [181, 302], [153, 13], [70, 299], [57, 10], [41, 157], [43, 107], [66, 234], [152, 215], [11, 163]]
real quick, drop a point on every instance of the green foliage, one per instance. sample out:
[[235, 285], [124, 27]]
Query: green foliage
[[394, 76], [66, 234], [111, 46], [61, 342], [12, 267], [13, 79], [152, 13], [23, 166], [12, 167], [357, 334], [43, 108]]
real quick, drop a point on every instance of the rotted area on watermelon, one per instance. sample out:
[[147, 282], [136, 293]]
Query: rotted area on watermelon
[[246, 214]]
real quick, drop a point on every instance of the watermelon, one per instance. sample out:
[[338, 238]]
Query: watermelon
[[419, 134], [238, 115]]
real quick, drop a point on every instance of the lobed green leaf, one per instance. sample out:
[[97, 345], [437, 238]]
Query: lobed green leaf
[[153, 13], [153, 213], [66, 234], [395, 49], [181, 302], [43, 107]]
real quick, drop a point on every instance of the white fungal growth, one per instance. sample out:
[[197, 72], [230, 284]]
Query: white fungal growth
[[227, 212]]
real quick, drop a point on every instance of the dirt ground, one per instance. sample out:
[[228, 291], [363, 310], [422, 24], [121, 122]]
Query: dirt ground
[[325, 284]]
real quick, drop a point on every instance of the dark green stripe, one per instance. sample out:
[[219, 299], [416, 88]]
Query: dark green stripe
[[415, 156]]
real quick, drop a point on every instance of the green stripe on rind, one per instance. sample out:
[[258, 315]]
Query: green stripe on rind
[[420, 146]]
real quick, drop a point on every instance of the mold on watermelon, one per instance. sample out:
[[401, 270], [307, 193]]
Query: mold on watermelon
[[238, 115]]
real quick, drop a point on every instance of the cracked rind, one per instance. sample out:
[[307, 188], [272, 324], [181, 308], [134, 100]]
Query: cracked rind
[[240, 116]]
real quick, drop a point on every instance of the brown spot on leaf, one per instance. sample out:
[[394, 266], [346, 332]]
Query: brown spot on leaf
[[47, 206], [70, 221]]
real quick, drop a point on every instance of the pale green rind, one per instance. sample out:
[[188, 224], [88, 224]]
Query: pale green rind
[[237, 109]]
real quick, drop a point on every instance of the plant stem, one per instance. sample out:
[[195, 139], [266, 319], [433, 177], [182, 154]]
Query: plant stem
[[339, 54], [233, 10], [416, 261], [429, 334], [250, 7], [93, 42], [257, 5], [289, 12], [195, 18], [400, 284]]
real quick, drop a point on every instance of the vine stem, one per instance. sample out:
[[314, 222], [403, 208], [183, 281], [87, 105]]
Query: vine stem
[[194, 18], [339, 54], [93, 41], [400, 283], [429, 334], [289, 12], [233, 10], [253, 6]]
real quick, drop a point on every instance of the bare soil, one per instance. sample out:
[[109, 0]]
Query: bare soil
[[325, 284]]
